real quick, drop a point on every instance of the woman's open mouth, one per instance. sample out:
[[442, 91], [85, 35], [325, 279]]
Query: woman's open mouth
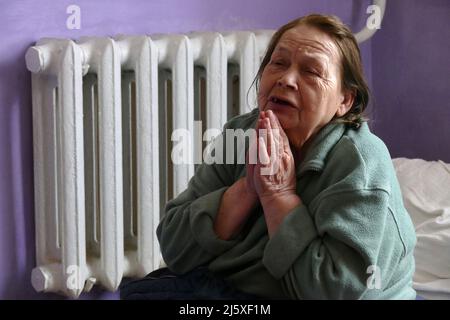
[[279, 103]]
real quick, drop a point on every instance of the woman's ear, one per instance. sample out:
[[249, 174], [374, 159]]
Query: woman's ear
[[347, 99]]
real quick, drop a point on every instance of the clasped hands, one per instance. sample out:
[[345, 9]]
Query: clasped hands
[[270, 180], [269, 161], [271, 176]]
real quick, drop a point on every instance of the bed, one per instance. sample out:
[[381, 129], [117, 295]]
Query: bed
[[426, 194]]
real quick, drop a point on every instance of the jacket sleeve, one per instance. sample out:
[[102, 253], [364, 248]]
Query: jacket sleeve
[[185, 232], [325, 251]]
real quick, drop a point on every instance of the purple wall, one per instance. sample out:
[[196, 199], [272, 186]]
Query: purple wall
[[24, 22], [411, 79]]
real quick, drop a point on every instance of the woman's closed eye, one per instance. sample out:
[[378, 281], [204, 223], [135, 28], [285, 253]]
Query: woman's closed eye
[[278, 62], [313, 72]]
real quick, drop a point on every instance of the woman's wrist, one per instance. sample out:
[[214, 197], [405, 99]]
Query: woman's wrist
[[276, 207], [236, 206], [250, 195], [277, 198]]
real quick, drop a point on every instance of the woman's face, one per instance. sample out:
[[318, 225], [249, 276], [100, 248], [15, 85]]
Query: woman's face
[[302, 83]]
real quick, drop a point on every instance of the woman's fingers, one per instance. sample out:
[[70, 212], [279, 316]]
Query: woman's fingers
[[274, 139], [263, 154], [275, 123], [270, 139], [270, 145], [270, 149], [252, 154], [282, 137]]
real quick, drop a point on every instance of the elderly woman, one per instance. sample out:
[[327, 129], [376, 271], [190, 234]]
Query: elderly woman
[[328, 222]]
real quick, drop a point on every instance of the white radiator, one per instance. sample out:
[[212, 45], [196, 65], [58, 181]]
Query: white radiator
[[103, 113]]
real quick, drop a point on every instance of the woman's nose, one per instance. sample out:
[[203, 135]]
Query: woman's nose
[[288, 80]]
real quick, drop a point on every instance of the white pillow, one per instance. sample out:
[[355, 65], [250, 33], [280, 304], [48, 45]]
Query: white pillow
[[425, 188]]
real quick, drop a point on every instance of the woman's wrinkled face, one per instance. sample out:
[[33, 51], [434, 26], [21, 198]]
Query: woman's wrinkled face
[[302, 83]]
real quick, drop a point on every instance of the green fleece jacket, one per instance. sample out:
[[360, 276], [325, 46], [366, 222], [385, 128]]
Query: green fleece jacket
[[351, 238]]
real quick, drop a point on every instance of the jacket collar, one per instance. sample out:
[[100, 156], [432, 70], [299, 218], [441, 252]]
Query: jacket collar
[[321, 145]]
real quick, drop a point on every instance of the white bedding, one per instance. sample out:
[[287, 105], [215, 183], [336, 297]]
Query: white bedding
[[426, 194]]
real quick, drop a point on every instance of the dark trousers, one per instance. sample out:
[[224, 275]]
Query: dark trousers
[[198, 284]]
